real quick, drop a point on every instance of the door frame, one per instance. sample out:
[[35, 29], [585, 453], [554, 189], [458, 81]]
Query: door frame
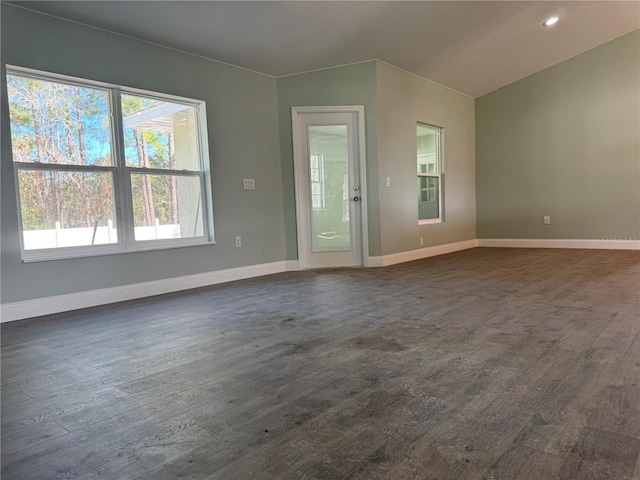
[[361, 166]]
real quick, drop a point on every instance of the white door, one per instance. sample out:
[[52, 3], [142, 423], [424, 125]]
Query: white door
[[329, 162]]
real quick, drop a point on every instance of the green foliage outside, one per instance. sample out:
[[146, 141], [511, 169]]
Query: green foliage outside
[[59, 124]]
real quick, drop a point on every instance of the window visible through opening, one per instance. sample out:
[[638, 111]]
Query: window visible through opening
[[429, 172]]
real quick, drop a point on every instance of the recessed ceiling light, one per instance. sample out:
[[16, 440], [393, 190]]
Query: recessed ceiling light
[[550, 21]]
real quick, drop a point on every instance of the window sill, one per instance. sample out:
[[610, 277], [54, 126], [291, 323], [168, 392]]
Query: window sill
[[29, 257], [430, 222]]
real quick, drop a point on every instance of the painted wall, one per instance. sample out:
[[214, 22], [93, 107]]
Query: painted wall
[[347, 85], [564, 142], [394, 101], [403, 100], [242, 115]]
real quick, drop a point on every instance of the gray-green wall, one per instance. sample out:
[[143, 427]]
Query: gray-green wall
[[564, 142], [242, 116], [404, 100], [394, 102], [347, 85]]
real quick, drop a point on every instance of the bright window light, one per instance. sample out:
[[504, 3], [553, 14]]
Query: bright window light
[[78, 194]]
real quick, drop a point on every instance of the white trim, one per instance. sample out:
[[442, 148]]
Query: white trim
[[292, 266], [408, 256], [427, 80], [420, 253], [364, 193], [601, 244], [92, 298], [430, 221], [375, 262], [304, 72]]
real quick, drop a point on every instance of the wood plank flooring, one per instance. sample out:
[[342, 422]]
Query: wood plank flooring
[[483, 364]]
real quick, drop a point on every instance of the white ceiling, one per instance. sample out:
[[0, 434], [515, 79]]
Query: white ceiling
[[473, 47]]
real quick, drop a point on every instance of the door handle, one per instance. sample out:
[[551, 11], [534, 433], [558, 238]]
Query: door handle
[[356, 199]]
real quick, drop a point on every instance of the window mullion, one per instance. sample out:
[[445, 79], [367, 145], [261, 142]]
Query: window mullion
[[123, 184], [164, 171], [61, 167]]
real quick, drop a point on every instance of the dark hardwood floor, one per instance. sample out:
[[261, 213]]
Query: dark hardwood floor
[[487, 364]]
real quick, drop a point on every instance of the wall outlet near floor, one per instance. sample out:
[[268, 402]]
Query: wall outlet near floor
[[249, 183], [422, 241], [238, 242], [547, 220]]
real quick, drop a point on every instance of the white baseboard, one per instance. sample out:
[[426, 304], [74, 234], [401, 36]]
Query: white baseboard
[[92, 298], [603, 244], [103, 296], [374, 262], [426, 252], [292, 265]]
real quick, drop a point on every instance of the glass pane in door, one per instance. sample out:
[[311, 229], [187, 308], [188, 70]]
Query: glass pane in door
[[329, 188]]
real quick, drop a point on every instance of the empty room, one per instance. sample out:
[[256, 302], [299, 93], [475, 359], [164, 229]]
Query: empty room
[[320, 240]]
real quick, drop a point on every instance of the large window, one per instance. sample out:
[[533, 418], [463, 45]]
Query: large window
[[103, 169], [429, 142]]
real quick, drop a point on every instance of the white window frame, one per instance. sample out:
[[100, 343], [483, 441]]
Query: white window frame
[[121, 175], [437, 174]]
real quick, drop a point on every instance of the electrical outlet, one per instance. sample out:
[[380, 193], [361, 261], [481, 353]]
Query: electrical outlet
[[248, 183], [422, 241], [238, 242], [547, 220]]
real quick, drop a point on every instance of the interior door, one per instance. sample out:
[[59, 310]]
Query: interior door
[[329, 195]]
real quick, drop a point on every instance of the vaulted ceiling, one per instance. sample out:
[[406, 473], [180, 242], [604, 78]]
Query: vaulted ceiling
[[473, 47]]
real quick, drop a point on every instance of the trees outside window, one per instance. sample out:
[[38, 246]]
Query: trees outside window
[[92, 178]]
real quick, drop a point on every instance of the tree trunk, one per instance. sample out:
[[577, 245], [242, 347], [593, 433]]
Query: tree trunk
[[173, 187], [147, 192], [37, 127], [79, 116], [45, 212], [42, 199]]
